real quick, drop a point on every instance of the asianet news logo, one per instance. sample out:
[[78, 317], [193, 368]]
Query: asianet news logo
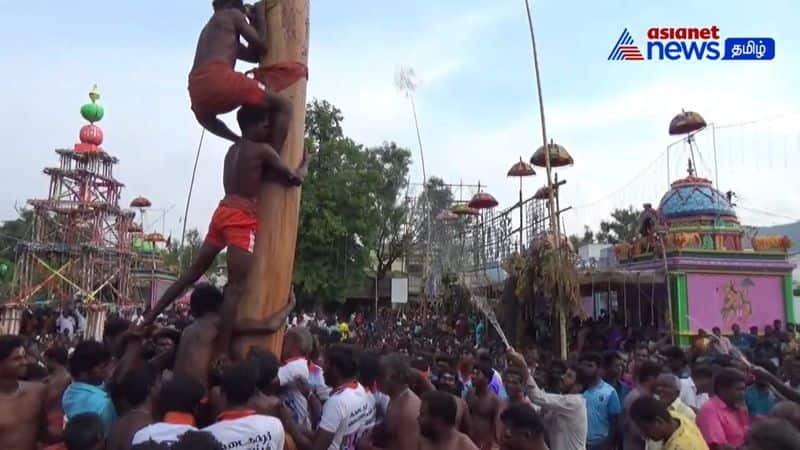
[[690, 44]]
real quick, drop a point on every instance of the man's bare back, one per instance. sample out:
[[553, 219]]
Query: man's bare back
[[196, 348], [219, 39], [22, 416], [401, 421], [247, 165]]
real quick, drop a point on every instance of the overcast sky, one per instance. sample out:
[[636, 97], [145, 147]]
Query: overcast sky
[[477, 102]]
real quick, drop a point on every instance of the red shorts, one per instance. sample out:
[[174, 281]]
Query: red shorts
[[234, 224], [215, 88]]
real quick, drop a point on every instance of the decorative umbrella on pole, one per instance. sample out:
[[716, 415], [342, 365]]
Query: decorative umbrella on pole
[[688, 123], [554, 222], [521, 169], [482, 200]]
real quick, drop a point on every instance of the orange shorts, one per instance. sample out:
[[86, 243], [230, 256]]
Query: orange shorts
[[234, 224], [215, 88]]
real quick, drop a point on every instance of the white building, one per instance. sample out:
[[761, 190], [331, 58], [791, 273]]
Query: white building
[[598, 255]]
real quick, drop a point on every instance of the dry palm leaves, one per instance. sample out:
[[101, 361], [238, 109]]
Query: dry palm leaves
[[546, 272]]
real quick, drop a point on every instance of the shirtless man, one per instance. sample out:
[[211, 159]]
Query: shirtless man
[[485, 408], [141, 389], [515, 379], [196, 347], [437, 424], [234, 222], [22, 416], [215, 88], [56, 358], [448, 383], [400, 428]]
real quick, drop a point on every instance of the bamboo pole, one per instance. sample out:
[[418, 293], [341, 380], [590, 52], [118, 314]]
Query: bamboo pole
[[270, 277]]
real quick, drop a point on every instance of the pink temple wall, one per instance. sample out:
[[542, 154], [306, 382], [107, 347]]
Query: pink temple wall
[[722, 300]]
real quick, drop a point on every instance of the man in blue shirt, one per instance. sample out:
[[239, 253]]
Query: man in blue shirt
[[613, 374], [90, 367], [602, 404], [759, 396], [744, 342]]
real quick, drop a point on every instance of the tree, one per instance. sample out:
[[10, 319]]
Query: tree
[[179, 258], [339, 214], [11, 232], [580, 241], [394, 235], [623, 226]]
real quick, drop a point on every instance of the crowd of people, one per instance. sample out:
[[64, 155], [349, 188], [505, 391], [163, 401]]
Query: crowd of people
[[405, 379]]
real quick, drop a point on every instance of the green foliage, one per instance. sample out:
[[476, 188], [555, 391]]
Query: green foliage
[[349, 199], [394, 235], [623, 226], [579, 241], [11, 231], [178, 259]]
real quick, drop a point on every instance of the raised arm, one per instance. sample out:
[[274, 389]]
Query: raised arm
[[553, 402], [775, 382], [255, 38], [205, 257], [273, 164], [271, 324]]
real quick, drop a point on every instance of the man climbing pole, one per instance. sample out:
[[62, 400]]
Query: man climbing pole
[[216, 88], [247, 164], [270, 277]]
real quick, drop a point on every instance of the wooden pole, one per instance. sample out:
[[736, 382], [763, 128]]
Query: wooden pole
[[270, 277]]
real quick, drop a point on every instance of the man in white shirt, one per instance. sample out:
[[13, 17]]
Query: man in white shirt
[[565, 414], [296, 346], [179, 397], [66, 323], [694, 390], [81, 322], [241, 428], [348, 413]]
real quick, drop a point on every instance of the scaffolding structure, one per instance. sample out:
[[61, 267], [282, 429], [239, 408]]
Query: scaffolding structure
[[79, 243]]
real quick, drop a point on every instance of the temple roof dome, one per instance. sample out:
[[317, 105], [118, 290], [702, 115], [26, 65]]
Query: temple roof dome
[[695, 197]]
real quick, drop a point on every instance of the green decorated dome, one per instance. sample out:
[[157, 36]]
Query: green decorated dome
[[93, 112]]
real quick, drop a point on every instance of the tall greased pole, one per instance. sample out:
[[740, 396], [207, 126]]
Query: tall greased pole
[[270, 277]]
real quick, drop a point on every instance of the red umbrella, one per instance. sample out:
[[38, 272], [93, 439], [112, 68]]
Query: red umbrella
[[686, 122], [482, 200], [154, 237], [140, 202], [521, 169]]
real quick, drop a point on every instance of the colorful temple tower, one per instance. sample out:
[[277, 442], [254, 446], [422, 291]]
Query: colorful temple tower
[[714, 280], [79, 246]]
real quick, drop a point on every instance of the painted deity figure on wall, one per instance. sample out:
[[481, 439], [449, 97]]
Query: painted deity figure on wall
[[736, 307]]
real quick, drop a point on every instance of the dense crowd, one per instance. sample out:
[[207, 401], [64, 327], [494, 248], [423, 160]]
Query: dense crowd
[[410, 378]]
